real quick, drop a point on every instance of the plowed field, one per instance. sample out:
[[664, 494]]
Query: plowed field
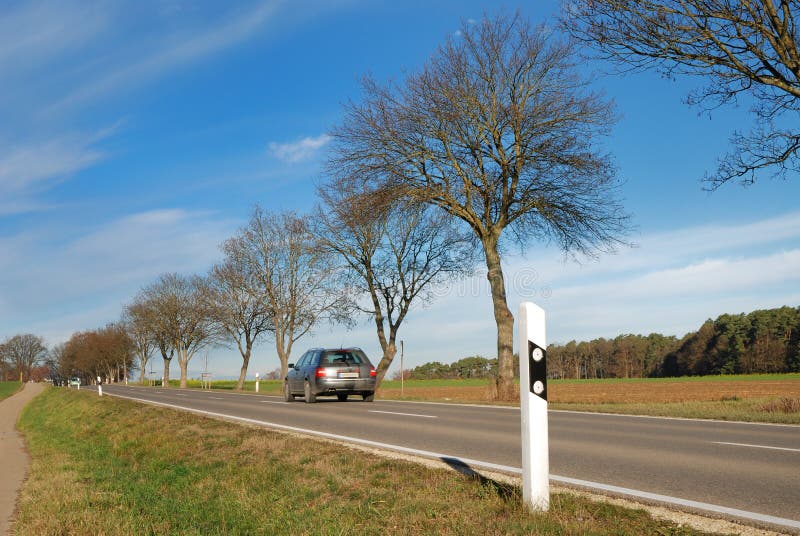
[[600, 392]]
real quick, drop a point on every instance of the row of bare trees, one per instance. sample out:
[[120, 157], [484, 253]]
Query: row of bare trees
[[283, 273], [105, 352]]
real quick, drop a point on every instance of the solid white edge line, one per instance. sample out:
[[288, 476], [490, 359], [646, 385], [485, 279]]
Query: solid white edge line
[[406, 414], [680, 502], [754, 446], [505, 468]]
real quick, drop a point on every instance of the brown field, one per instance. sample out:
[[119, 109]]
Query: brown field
[[616, 392]]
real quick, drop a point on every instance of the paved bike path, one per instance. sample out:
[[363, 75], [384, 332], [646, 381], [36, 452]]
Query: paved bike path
[[12, 452]]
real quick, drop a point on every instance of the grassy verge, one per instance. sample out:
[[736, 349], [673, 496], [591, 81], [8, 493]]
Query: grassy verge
[[264, 387], [8, 388], [108, 466]]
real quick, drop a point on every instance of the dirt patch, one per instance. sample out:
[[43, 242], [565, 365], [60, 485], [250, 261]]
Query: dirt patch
[[620, 392]]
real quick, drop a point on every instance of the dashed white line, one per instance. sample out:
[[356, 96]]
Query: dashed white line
[[755, 446], [405, 414], [273, 402]]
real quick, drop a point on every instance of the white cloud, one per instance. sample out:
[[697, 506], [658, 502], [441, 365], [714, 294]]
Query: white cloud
[[300, 150]]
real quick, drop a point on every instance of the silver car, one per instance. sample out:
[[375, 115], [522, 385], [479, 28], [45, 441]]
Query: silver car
[[327, 372]]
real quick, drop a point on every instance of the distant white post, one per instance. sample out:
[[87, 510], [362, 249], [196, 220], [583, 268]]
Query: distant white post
[[99, 387], [256, 382], [533, 406]]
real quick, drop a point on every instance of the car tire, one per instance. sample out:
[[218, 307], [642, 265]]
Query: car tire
[[309, 396], [368, 396], [342, 397], [287, 394]]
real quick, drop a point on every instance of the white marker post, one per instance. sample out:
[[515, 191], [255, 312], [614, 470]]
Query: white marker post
[[533, 406], [99, 387], [256, 382]]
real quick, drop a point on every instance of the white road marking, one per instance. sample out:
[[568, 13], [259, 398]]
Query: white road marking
[[216, 398], [180, 394], [488, 465], [755, 446], [273, 402], [406, 414]]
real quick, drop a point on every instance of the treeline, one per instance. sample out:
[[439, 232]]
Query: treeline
[[468, 367], [21, 358], [763, 341]]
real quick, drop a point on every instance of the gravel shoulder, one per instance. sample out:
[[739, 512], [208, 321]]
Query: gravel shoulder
[[12, 452]]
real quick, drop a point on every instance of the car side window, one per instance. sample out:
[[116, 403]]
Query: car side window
[[301, 362]]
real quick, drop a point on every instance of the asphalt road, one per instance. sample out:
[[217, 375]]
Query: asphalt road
[[752, 468]]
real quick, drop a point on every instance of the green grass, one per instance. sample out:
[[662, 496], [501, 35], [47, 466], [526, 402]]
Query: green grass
[[265, 386], [471, 382], [109, 466], [8, 388]]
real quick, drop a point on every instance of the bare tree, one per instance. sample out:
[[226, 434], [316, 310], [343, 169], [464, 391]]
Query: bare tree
[[23, 352], [143, 340], [181, 317], [292, 276], [152, 315], [393, 254], [738, 47], [236, 304], [498, 130], [113, 352]]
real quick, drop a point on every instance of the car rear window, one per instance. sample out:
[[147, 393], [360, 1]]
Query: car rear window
[[342, 357]]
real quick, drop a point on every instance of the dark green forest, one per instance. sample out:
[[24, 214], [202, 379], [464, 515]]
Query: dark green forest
[[764, 341]]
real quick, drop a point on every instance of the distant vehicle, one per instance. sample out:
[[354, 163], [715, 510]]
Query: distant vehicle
[[330, 372], [74, 382]]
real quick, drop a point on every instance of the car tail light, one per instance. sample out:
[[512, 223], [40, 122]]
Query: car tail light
[[372, 372], [320, 372]]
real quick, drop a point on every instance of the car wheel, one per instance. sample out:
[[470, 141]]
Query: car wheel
[[309, 396], [342, 397], [368, 396], [287, 394]]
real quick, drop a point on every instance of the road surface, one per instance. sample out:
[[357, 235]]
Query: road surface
[[737, 469]]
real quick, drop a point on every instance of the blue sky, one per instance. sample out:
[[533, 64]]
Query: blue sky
[[135, 137]]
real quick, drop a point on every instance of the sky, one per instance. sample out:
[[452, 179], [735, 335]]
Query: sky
[[136, 136]]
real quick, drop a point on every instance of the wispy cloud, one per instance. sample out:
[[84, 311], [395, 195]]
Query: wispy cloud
[[298, 151], [39, 32], [29, 169], [170, 52], [101, 269]]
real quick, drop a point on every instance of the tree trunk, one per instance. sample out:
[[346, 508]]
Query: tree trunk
[[283, 355], [243, 371], [167, 361], [183, 362], [506, 388], [388, 355], [144, 370]]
